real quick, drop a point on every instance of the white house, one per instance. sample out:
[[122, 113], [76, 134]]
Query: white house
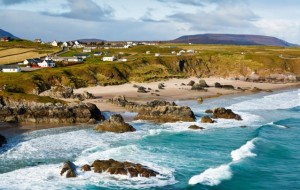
[[54, 43], [113, 58], [173, 52], [46, 63], [97, 53], [82, 55], [148, 52], [157, 55], [11, 69], [122, 60]]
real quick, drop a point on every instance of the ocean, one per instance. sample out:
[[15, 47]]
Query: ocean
[[260, 152]]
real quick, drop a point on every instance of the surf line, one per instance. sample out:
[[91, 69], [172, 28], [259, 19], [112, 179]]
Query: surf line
[[214, 176]]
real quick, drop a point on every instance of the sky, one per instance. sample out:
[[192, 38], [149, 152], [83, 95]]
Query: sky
[[124, 20]]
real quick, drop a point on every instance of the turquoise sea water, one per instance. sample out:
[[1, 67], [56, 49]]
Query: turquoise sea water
[[263, 155]]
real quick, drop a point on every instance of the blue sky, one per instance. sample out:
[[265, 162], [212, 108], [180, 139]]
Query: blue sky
[[148, 19]]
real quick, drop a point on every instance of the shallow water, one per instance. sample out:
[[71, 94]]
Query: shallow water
[[263, 155]]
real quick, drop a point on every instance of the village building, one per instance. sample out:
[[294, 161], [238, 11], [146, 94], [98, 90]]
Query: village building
[[97, 53], [5, 39], [54, 43], [11, 69], [38, 40], [123, 60], [82, 55], [87, 50], [47, 63], [148, 52], [157, 55], [112, 58], [67, 59], [32, 62]]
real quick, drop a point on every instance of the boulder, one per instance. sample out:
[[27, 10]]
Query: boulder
[[203, 84], [85, 168], [141, 89], [208, 111], [70, 168], [122, 168], [191, 83], [228, 87], [162, 111], [195, 127], [2, 140], [200, 100], [87, 95], [198, 87], [225, 114], [207, 119], [161, 86], [115, 124], [218, 85]]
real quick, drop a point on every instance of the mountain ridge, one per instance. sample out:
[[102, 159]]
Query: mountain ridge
[[232, 39], [4, 33]]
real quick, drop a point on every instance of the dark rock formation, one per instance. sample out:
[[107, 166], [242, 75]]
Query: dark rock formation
[[59, 92], [207, 119], [191, 83], [85, 168], [141, 89], [208, 111], [157, 111], [228, 87], [162, 111], [225, 114], [122, 168], [70, 168], [203, 84], [32, 112], [198, 87], [2, 140], [87, 95], [195, 127], [115, 124]]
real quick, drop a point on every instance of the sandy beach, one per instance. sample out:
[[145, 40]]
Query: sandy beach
[[173, 91]]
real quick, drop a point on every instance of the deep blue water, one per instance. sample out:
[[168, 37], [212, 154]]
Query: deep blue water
[[263, 155]]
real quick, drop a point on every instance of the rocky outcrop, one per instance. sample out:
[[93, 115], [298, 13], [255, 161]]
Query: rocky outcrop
[[66, 92], [203, 83], [49, 113], [115, 124], [162, 111], [86, 168], [228, 87], [122, 168], [225, 114], [207, 119], [157, 110], [2, 140], [141, 89], [208, 111], [70, 168], [191, 83], [161, 86], [196, 127], [198, 87]]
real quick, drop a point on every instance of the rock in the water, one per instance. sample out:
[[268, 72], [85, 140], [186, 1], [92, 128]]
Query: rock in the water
[[70, 168], [206, 119], [208, 111], [203, 84], [122, 168], [195, 127], [2, 140], [225, 114], [162, 111], [200, 100], [115, 124], [85, 168], [191, 83]]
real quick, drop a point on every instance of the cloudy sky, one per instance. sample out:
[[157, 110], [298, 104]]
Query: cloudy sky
[[148, 19]]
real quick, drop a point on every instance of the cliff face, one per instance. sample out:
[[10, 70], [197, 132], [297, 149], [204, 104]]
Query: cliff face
[[31, 112]]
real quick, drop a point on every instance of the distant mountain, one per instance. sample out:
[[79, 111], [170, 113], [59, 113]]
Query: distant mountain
[[90, 40], [232, 39], [4, 33]]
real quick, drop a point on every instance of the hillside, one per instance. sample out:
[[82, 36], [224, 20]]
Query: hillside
[[4, 33], [232, 39]]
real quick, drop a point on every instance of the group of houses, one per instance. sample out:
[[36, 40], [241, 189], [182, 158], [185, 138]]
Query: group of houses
[[37, 62], [5, 39]]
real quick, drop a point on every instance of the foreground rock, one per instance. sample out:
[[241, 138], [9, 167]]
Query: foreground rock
[[2, 140], [162, 111], [195, 127], [32, 112], [157, 110], [70, 168], [207, 119], [115, 124], [122, 168], [225, 114]]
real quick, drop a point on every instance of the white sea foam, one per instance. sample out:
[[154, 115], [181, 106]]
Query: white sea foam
[[212, 176], [244, 151], [282, 100], [279, 126]]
